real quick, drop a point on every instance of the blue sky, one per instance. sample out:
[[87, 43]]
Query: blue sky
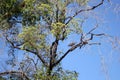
[[92, 62], [99, 62]]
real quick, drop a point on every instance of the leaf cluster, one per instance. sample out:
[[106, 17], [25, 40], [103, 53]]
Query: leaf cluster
[[32, 38], [57, 29]]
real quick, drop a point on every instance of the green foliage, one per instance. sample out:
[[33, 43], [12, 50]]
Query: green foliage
[[29, 12], [75, 26], [80, 2], [32, 38], [45, 9], [58, 74], [57, 29], [4, 25], [33, 10], [1, 78], [66, 75], [9, 8], [5, 12]]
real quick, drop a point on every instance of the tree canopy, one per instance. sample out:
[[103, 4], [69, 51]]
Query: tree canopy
[[45, 25]]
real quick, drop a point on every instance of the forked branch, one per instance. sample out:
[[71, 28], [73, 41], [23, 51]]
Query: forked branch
[[82, 43]]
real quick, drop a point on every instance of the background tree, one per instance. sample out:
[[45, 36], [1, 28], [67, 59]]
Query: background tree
[[45, 25]]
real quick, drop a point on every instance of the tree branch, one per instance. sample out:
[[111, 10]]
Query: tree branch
[[35, 63], [92, 30], [83, 42], [53, 50], [83, 10], [69, 50], [15, 72], [92, 35], [94, 43], [36, 53]]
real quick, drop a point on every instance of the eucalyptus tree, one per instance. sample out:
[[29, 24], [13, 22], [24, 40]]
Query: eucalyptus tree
[[45, 25]]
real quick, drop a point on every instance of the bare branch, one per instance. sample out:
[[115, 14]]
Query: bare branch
[[82, 43], [83, 10], [15, 72], [92, 35], [94, 43], [69, 50], [92, 30]]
